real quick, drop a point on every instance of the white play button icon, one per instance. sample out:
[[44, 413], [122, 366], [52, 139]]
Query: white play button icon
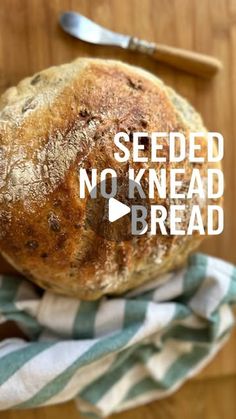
[[113, 216], [116, 210]]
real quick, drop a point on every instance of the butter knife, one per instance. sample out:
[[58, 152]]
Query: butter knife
[[192, 62]]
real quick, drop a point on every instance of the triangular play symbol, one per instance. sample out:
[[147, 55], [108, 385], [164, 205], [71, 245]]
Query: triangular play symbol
[[116, 210]]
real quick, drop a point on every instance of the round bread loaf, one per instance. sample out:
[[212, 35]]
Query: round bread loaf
[[56, 122]]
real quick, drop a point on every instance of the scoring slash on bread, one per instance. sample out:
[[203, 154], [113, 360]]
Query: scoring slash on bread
[[65, 118]]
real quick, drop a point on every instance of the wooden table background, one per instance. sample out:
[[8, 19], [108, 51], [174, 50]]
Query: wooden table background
[[31, 40]]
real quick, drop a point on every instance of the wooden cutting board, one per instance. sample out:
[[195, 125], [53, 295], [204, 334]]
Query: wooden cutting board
[[30, 40]]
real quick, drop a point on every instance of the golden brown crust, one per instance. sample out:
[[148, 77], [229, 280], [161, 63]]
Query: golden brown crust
[[54, 123]]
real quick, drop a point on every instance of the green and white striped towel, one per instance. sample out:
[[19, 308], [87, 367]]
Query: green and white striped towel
[[115, 353]]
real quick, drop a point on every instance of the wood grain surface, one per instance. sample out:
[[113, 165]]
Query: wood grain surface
[[30, 40]]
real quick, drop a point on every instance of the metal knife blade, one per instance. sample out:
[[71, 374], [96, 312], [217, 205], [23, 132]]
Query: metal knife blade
[[86, 30]]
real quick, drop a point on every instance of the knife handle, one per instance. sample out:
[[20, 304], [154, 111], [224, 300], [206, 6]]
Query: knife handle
[[191, 62]]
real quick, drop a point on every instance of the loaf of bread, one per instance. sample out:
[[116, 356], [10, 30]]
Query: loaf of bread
[[55, 122]]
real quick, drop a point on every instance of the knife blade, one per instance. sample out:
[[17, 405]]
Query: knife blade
[[88, 31]]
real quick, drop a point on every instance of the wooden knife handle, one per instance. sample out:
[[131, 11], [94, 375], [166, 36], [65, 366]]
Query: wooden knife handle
[[191, 62]]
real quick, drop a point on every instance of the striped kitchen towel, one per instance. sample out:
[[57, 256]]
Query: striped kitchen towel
[[118, 352]]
